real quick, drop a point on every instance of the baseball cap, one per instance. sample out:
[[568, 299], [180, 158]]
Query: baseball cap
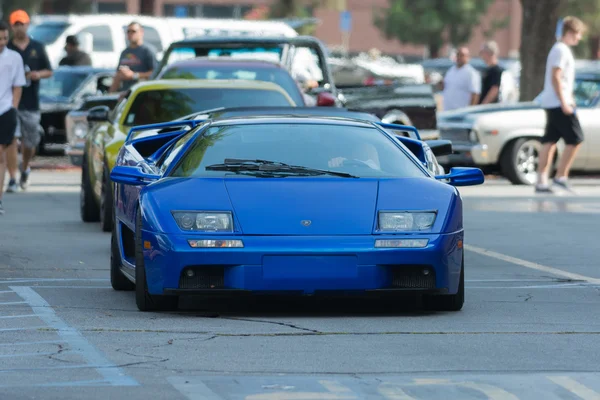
[[19, 16]]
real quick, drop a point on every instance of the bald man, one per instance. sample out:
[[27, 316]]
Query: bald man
[[462, 83]]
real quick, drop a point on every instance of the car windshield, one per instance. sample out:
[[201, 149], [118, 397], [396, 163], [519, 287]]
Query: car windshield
[[356, 150], [155, 106], [276, 75], [62, 83], [587, 92], [259, 53], [47, 32]]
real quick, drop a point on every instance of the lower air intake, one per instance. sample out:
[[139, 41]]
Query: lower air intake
[[413, 277], [205, 277]]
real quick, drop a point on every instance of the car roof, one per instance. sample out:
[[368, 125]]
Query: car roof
[[225, 61], [290, 119], [161, 84], [292, 111], [237, 40], [84, 69]]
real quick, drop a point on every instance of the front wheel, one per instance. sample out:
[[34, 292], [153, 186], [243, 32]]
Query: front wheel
[[520, 160], [144, 300]]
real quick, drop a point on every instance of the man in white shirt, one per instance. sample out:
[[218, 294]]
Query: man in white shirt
[[462, 83], [559, 103], [13, 79]]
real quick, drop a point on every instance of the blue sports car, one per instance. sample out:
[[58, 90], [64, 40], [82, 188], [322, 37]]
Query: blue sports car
[[295, 204]]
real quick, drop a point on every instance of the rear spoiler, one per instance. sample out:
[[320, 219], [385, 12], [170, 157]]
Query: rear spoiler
[[401, 128], [185, 123]]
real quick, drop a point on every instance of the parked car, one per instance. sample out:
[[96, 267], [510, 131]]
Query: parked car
[[65, 90], [147, 103], [233, 68], [506, 138], [357, 205]]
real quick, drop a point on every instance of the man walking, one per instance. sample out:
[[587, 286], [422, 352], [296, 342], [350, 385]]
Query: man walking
[[490, 82], [462, 83], [13, 79], [74, 55], [558, 101], [137, 61], [37, 66]]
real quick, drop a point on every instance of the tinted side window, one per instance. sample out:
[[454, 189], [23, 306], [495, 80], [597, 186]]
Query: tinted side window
[[102, 35], [175, 150]]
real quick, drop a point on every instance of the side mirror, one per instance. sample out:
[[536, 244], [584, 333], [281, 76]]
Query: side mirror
[[129, 175], [325, 99], [440, 147], [463, 176], [98, 114]]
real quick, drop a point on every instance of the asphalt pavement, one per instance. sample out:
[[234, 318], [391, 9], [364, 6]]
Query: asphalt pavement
[[529, 328]]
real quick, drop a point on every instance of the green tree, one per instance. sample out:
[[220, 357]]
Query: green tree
[[432, 23], [538, 35]]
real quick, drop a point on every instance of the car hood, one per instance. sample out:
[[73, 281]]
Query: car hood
[[283, 206], [462, 114]]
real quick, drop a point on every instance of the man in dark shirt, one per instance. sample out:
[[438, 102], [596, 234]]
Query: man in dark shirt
[[137, 61], [492, 76], [37, 66], [74, 55]]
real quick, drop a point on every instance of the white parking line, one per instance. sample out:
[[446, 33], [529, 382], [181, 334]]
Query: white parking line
[[531, 265], [574, 387], [113, 374]]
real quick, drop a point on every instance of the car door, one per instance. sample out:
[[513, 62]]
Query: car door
[[588, 157]]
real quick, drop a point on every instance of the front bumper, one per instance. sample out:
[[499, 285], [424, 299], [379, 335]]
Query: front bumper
[[466, 155], [301, 265]]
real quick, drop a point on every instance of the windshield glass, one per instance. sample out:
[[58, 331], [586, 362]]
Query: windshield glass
[[154, 106], [360, 151], [586, 92], [61, 84], [259, 53], [47, 32], [275, 75]]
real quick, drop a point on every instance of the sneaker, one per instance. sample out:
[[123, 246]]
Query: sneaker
[[543, 189], [563, 184], [1, 208], [12, 186], [24, 178]]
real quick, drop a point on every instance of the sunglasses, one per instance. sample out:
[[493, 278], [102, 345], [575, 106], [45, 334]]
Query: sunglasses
[[131, 31]]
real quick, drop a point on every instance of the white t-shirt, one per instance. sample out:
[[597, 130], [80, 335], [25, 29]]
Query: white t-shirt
[[459, 85], [560, 56], [12, 72]]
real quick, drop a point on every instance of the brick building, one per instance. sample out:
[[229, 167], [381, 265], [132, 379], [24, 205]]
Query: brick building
[[364, 34]]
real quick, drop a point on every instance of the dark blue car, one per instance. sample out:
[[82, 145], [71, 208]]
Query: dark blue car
[[295, 204]]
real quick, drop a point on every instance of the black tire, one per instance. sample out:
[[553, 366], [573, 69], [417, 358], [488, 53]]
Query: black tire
[[107, 215], [144, 300], [88, 207], [515, 154], [118, 280], [449, 302]]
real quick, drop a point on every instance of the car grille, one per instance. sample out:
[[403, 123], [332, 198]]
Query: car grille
[[413, 277], [455, 135]]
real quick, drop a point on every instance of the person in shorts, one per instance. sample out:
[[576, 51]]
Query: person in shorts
[[558, 100], [29, 130], [13, 79]]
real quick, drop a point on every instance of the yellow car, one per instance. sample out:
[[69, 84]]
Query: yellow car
[[148, 103]]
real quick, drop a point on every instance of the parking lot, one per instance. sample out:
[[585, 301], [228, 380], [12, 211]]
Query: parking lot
[[529, 327]]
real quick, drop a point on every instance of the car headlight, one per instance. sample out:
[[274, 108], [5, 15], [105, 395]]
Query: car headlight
[[400, 221], [80, 129], [204, 221]]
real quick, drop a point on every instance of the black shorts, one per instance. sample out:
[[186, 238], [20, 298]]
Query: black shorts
[[8, 126], [559, 125]]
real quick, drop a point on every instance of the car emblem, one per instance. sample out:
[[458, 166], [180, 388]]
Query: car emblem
[[306, 222]]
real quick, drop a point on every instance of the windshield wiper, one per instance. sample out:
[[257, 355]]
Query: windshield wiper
[[234, 165]]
